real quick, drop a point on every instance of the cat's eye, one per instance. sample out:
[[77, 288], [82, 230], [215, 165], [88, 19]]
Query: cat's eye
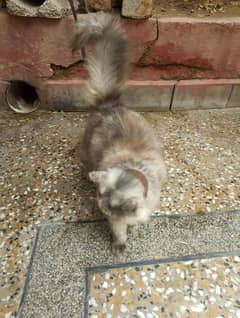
[[130, 206]]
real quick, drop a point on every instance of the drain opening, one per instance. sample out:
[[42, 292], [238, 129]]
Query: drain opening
[[22, 97], [34, 3]]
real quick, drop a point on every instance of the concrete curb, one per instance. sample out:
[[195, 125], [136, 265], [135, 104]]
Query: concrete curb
[[67, 95], [203, 94]]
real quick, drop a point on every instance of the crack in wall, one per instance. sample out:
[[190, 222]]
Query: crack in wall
[[147, 52], [62, 71], [184, 65], [161, 64]]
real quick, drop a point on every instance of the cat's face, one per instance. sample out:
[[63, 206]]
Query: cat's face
[[119, 193]]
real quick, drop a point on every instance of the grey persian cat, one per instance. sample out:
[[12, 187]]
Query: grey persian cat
[[119, 149]]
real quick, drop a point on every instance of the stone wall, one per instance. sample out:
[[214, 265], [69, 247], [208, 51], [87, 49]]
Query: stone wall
[[56, 9]]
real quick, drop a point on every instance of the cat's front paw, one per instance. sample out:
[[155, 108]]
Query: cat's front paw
[[118, 248]]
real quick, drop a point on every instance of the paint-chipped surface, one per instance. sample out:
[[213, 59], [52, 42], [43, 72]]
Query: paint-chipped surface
[[199, 288], [41, 179]]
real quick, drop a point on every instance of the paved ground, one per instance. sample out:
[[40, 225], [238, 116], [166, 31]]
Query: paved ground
[[194, 288], [63, 252], [41, 179]]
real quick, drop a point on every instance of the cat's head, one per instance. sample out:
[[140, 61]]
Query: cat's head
[[121, 192]]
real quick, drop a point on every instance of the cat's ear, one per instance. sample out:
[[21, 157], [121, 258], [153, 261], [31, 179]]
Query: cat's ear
[[97, 176]]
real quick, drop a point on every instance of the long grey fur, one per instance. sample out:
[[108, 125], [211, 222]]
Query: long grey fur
[[108, 63]]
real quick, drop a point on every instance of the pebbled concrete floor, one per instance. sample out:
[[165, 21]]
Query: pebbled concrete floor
[[64, 251], [41, 178]]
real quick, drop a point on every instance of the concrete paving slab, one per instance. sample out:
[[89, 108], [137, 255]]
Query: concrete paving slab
[[67, 95], [234, 100], [64, 253], [149, 95], [189, 288], [201, 94]]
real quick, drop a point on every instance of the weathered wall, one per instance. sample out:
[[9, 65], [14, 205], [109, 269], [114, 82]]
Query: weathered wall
[[173, 48], [38, 51]]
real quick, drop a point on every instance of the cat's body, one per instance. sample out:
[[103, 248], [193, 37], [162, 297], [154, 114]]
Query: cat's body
[[119, 149]]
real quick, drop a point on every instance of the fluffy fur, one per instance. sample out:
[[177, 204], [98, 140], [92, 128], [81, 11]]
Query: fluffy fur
[[120, 151]]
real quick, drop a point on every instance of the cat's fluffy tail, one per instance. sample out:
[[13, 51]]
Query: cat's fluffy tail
[[107, 64]]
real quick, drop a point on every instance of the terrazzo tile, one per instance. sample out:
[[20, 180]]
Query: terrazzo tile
[[65, 253], [41, 179], [200, 288], [202, 154]]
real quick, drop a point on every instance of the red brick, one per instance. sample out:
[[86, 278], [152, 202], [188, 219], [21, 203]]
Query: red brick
[[29, 46], [141, 34], [198, 48], [201, 94]]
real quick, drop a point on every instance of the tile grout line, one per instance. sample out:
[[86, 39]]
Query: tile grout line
[[86, 294], [166, 260], [28, 274], [230, 95], [172, 97], [170, 216]]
